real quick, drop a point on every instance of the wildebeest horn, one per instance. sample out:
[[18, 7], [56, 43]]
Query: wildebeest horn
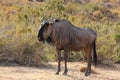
[[44, 20]]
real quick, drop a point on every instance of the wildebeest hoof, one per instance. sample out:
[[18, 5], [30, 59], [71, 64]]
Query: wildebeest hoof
[[65, 73], [57, 73], [87, 73]]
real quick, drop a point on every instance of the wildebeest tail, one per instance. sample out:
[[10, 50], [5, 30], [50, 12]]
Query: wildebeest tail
[[94, 54]]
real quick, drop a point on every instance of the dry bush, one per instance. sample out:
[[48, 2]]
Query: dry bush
[[20, 21]]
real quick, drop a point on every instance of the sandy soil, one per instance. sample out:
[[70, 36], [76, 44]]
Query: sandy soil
[[102, 72]]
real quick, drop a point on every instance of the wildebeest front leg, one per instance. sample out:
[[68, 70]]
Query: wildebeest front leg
[[65, 57], [59, 60], [88, 69]]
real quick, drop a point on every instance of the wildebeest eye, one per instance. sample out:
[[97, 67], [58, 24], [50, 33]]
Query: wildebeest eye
[[46, 24]]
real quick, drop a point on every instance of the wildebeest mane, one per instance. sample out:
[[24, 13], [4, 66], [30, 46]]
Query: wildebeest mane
[[57, 20]]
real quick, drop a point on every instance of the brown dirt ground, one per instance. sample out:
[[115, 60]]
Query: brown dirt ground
[[102, 72]]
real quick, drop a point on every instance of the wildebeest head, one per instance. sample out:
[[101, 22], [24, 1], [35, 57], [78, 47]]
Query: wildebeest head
[[45, 32]]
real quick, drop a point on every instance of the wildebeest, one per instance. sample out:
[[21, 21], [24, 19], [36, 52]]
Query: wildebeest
[[65, 36]]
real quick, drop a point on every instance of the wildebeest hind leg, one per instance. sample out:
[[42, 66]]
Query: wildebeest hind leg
[[88, 69], [85, 56]]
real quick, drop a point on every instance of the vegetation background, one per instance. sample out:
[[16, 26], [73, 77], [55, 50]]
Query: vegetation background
[[20, 22]]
